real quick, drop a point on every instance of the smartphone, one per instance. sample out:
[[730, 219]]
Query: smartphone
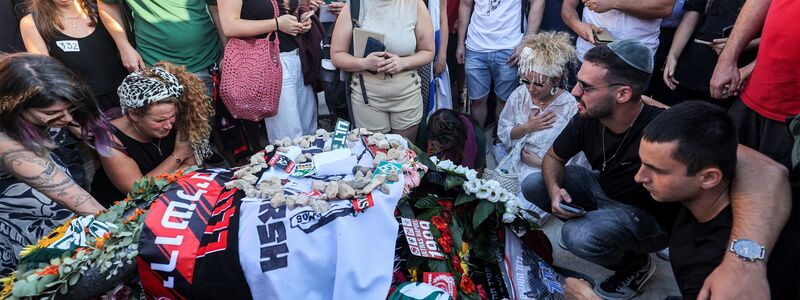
[[575, 209], [603, 36], [706, 38], [726, 32], [373, 45], [304, 17]]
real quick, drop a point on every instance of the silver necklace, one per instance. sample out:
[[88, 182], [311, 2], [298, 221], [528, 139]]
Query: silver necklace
[[70, 22], [603, 138]]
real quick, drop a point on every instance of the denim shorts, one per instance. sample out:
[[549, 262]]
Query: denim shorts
[[484, 67]]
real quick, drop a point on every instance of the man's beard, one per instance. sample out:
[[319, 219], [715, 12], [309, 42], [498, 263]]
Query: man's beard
[[603, 109]]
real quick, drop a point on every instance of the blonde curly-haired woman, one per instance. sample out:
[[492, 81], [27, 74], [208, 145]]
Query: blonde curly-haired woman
[[164, 128]]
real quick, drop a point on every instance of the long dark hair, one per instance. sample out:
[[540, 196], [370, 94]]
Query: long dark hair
[[36, 81], [446, 127], [45, 16]]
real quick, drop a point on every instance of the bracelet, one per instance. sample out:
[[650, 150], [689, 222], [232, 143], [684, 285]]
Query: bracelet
[[177, 160], [276, 25]]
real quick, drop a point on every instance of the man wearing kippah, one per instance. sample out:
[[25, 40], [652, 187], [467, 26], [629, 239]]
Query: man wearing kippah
[[615, 222]]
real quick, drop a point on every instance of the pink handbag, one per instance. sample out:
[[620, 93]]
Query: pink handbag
[[252, 76]]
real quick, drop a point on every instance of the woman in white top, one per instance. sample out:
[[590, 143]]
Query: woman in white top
[[393, 102], [539, 109]]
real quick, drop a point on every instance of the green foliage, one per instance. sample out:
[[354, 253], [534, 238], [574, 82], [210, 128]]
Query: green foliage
[[119, 249], [484, 209]]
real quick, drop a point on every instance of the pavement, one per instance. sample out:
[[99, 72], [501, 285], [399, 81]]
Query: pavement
[[660, 286]]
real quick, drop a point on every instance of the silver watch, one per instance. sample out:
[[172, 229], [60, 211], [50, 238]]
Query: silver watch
[[748, 250]]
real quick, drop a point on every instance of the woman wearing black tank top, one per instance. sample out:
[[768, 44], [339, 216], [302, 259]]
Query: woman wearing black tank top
[[165, 127], [71, 32]]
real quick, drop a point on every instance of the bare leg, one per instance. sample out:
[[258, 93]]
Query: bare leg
[[409, 133], [499, 108], [479, 109]]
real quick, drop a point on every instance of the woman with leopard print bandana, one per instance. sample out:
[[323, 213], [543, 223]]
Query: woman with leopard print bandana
[[165, 127]]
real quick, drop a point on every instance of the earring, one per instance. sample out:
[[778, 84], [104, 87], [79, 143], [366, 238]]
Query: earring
[[553, 91]]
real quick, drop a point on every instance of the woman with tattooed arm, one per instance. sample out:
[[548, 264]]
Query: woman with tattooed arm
[[37, 94]]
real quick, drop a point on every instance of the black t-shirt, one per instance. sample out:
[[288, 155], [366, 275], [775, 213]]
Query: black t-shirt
[[697, 61], [617, 179], [262, 10], [10, 37], [696, 249]]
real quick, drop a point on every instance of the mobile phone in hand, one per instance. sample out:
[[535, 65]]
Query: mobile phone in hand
[[603, 36], [304, 17], [572, 208]]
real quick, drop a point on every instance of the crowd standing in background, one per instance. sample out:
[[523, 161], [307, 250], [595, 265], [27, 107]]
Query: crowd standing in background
[[131, 89]]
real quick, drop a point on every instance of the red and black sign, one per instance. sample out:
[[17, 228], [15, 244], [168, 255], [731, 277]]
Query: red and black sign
[[175, 225]]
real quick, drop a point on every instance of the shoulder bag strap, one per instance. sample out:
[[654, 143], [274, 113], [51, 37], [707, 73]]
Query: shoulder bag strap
[[355, 14]]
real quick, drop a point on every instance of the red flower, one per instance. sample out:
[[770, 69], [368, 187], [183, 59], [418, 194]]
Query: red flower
[[467, 285], [457, 265], [482, 292], [439, 222], [447, 215], [446, 204], [443, 243]]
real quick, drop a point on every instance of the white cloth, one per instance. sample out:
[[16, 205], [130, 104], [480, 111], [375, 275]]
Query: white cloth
[[516, 111], [623, 27], [297, 110], [339, 254], [440, 85], [440, 90], [494, 25]]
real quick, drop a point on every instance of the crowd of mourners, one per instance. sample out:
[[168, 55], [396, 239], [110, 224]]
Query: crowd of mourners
[[651, 126]]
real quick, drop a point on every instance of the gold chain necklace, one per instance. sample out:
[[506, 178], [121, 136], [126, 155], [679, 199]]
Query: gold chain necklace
[[158, 147], [603, 137]]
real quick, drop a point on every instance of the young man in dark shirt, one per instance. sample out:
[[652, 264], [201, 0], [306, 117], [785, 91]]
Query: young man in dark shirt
[[688, 155], [621, 223]]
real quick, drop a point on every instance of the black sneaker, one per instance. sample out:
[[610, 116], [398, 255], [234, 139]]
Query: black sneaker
[[626, 284]]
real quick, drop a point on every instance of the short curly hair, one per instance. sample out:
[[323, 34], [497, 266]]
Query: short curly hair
[[549, 53]]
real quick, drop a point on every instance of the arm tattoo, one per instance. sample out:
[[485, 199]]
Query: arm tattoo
[[45, 182]]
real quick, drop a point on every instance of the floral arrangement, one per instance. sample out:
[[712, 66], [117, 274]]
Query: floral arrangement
[[43, 278], [467, 214]]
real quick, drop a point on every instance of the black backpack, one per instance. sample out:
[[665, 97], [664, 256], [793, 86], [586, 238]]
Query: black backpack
[[336, 83]]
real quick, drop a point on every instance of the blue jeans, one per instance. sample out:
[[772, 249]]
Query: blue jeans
[[610, 233], [484, 67], [205, 76]]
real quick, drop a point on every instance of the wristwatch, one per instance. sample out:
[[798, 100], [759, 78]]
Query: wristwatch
[[748, 250]]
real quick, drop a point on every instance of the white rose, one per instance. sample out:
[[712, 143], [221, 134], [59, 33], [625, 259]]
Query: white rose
[[502, 195], [472, 186], [471, 174], [508, 218], [446, 165], [461, 170], [483, 193], [493, 197], [512, 207], [434, 159], [492, 185]]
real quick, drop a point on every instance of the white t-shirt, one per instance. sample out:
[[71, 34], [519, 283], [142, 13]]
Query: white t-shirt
[[494, 25], [623, 27]]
